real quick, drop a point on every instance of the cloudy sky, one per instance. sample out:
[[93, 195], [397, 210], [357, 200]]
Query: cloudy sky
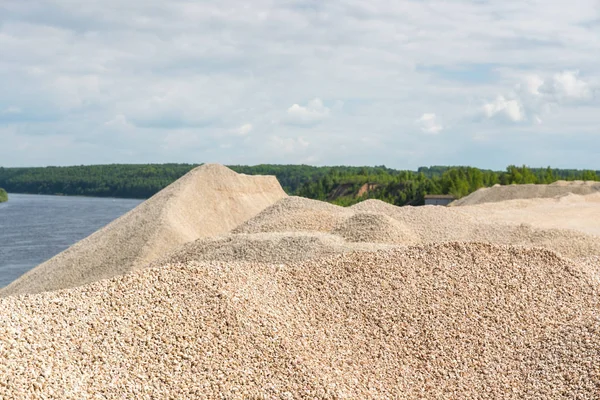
[[400, 83]]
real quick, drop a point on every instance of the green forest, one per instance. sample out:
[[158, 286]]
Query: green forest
[[343, 185], [3, 195]]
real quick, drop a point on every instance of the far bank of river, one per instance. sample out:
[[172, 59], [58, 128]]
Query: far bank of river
[[34, 228]]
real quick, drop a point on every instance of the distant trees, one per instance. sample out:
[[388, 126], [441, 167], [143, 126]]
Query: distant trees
[[337, 184]]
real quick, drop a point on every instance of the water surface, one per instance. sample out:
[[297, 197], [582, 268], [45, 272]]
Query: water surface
[[34, 228]]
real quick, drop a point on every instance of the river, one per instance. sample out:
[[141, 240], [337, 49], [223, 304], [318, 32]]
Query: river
[[34, 228]]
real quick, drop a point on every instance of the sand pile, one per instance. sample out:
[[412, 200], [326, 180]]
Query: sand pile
[[209, 200], [499, 193], [457, 321]]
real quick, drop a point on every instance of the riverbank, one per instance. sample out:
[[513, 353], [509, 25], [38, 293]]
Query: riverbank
[[3, 195]]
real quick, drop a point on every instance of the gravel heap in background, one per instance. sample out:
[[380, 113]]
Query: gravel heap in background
[[207, 201], [456, 320], [510, 192]]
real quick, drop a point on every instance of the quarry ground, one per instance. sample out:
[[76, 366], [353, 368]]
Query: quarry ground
[[223, 287]]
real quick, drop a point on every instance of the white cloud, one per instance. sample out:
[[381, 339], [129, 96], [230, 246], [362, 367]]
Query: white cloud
[[429, 124], [533, 83], [567, 86], [119, 121], [314, 112], [288, 145], [244, 130], [12, 110], [511, 110]]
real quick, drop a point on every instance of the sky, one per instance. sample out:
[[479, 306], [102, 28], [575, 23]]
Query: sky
[[353, 82]]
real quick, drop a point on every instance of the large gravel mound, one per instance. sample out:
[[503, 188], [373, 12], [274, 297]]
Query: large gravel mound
[[209, 200], [502, 193], [457, 321]]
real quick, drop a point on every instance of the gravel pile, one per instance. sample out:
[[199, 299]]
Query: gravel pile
[[305, 299], [374, 228], [431, 224], [296, 214], [266, 247], [499, 193], [209, 200], [570, 211], [456, 320]]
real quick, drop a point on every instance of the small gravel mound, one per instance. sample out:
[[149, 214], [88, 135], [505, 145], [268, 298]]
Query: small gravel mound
[[296, 214], [266, 247], [430, 224], [374, 228], [456, 320]]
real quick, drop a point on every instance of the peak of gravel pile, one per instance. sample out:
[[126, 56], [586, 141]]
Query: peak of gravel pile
[[456, 320], [209, 200], [531, 191], [296, 214]]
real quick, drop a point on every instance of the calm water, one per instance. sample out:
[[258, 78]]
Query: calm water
[[34, 228]]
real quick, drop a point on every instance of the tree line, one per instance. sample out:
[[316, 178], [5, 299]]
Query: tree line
[[343, 185]]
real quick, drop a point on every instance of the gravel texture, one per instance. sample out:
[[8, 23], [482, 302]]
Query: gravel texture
[[207, 201], [457, 320]]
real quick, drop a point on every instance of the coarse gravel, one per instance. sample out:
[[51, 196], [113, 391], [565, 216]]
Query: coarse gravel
[[454, 320]]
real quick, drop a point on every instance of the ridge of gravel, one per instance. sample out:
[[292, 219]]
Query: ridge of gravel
[[454, 320]]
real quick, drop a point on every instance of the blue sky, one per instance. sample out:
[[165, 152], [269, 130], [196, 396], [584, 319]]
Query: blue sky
[[400, 83]]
